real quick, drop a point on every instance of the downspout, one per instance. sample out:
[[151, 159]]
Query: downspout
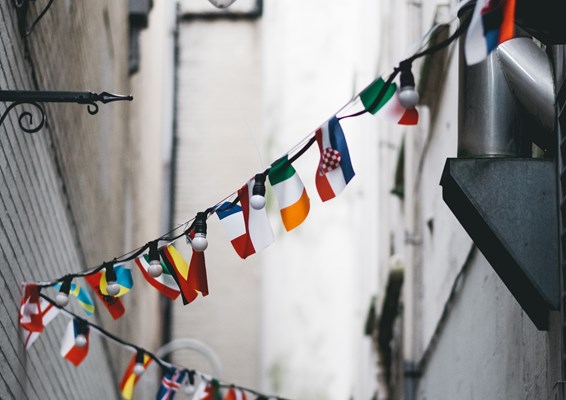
[[167, 305]]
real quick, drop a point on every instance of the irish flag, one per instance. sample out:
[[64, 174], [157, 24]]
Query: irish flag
[[334, 168], [294, 203], [69, 350], [165, 283], [493, 22], [389, 104]]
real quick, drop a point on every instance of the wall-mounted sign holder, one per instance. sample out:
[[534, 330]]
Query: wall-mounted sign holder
[[36, 98]]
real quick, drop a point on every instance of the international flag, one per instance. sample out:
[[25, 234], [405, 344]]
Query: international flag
[[389, 105], [171, 383], [493, 22], [235, 394], [165, 283], [211, 391], [82, 296], [232, 219], [30, 311], [113, 304], [335, 169], [48, 314], [69, 350], [191, 278], [123, 278], [130, 379], [294, 203], [258, 233]]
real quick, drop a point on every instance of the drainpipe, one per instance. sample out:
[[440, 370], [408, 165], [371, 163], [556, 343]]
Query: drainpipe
[[506, 102]]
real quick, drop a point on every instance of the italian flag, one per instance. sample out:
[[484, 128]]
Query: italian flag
[[389, 105], [294, 203], [164, 283]]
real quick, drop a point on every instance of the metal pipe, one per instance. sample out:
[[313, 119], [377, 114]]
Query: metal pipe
[[506, 102]]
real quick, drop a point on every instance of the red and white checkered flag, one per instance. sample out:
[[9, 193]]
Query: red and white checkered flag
[[330, 160]]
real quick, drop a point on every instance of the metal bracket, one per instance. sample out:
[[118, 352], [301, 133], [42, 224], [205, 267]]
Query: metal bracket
[[35, 98], [22, 8]]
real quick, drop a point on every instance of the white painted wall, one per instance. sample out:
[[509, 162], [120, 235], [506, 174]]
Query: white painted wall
[[319, 278]]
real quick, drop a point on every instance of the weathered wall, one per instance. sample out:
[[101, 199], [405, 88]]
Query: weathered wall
[[470, 337], [64, 191], [219, 122]]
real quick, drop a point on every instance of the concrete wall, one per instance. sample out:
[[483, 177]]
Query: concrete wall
[[468, 334], [318, 279], [217, 151], [70, 192]]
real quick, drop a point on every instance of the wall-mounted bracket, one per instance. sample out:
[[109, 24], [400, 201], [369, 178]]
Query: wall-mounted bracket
[[508, 206], [22, 8], [36, 98]]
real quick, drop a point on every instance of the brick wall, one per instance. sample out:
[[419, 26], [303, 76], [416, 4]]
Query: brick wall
[[67, 193]]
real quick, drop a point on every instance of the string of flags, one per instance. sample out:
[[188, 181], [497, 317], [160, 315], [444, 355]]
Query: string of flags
[[75, 347], [243, 214]]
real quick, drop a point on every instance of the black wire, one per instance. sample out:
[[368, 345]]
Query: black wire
[[163, 365]]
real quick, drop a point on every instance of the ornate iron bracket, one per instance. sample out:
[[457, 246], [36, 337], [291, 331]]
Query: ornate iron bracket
[[35, 98], [22, 8]]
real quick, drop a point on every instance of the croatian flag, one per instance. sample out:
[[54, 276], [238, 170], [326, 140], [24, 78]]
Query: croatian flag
[[69, 350], [492, 24], [334, 168]]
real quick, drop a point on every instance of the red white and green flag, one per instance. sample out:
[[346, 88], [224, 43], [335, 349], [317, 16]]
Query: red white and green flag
[[165, 283], [389, 106], [294, 203]]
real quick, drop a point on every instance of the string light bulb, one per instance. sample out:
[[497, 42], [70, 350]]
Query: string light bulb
[[199, 241], [155, 269], [80, 339], [112, 286], [222, 3], [62, 297], [257, 201], [139, 367], [408, 95]]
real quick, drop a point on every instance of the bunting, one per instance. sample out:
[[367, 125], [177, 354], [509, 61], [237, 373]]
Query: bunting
[[70, 350], [191, 278], [335, 169], [129, 380], [165, 283], [82, 296], [113, 304], [48, 313]]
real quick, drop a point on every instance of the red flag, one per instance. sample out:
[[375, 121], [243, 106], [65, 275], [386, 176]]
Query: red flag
[[235, 394], [191, 278], [30, 311], [113, 304]]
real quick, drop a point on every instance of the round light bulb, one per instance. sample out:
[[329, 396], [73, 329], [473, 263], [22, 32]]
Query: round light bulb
[[257, 201], [155, 269], [80, 340], [222, 3], [189, 389], [138, 369], [112, 288], [199, 242], [408, 97], [62, 299]]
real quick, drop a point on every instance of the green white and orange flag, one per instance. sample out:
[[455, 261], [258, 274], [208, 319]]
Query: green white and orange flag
[[130, 379], [389, 106], [294, 203]]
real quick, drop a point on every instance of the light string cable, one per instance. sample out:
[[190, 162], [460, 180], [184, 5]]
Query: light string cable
[[299, 149], [165, 366]]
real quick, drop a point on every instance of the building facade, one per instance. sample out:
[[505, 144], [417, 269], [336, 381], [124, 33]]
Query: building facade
[[452, 323], [71, 194]]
